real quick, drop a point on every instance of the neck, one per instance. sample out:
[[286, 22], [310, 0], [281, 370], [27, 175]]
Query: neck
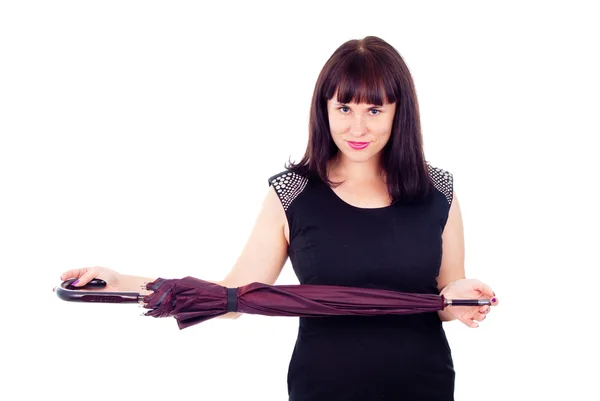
[[345, 169]]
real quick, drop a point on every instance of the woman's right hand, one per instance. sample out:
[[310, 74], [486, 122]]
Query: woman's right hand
[[114, 281]]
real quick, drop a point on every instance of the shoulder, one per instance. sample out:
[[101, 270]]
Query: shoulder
[[288, 185], [442, 180]]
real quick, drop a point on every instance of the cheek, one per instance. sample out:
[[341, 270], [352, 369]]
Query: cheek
[[337, 126], [382, 129]]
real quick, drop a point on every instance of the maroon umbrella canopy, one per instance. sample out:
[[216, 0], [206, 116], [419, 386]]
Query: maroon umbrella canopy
[[191, 301]]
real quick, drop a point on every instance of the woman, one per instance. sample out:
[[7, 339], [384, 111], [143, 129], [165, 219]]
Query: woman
[[362, 208]]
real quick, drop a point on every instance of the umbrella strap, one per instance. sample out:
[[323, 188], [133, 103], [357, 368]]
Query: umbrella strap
[[232, 301]]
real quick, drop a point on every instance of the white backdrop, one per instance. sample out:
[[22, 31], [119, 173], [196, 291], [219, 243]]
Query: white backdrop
[[139, 135]]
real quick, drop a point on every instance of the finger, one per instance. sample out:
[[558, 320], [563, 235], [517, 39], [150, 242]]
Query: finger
[[470, 323], [479, 317], [74, 273], [484, 309], [90, 274], [484, 289]]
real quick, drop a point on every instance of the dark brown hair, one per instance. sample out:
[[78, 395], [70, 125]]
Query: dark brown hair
[[371, 71]]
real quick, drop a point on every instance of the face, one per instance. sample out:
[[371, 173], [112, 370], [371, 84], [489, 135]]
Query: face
[[359, 130]]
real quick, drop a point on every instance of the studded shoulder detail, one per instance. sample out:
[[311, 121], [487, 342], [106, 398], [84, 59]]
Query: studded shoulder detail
[[442, 180], [288, 186]]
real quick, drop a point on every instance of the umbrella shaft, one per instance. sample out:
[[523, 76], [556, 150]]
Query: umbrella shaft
[[467, 302]]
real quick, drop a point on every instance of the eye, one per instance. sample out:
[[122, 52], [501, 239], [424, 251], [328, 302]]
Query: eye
[[375, 112], [344, 109]]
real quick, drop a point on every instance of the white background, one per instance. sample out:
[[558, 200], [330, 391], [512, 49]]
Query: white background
[[139, 135]]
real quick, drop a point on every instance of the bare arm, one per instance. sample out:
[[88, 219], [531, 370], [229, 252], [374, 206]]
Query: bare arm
[[265, 252], [261, 260], [453, 252]]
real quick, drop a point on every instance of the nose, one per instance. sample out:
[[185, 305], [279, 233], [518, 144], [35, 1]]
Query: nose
[[358, 126]]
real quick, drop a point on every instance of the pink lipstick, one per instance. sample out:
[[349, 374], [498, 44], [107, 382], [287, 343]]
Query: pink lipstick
[[358, 145]]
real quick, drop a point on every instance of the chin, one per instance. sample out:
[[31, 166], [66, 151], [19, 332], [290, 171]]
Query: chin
[[358, 157]]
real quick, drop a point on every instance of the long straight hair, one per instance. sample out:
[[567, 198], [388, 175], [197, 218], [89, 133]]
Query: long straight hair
[[371, 71]]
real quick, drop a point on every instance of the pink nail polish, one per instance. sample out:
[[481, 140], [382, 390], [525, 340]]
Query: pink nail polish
[[494, 299]]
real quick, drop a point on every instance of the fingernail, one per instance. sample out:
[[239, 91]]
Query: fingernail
[[494, 293], [493, 299], [75, 282]]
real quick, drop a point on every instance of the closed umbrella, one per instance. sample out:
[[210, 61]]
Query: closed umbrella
[[191, 300]]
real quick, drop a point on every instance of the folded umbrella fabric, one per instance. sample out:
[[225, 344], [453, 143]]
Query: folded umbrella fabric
[[191, 300]]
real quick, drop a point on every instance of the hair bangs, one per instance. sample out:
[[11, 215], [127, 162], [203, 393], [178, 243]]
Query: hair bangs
[[362, 79]]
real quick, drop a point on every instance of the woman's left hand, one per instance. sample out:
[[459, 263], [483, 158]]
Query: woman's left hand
[[469, 289]]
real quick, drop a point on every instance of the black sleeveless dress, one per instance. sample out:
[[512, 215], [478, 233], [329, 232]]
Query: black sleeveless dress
[[399, 248]]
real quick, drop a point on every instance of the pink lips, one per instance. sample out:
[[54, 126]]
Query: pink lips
[[358, 145]]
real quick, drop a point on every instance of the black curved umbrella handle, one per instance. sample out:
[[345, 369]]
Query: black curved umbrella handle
[[67, 292]]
